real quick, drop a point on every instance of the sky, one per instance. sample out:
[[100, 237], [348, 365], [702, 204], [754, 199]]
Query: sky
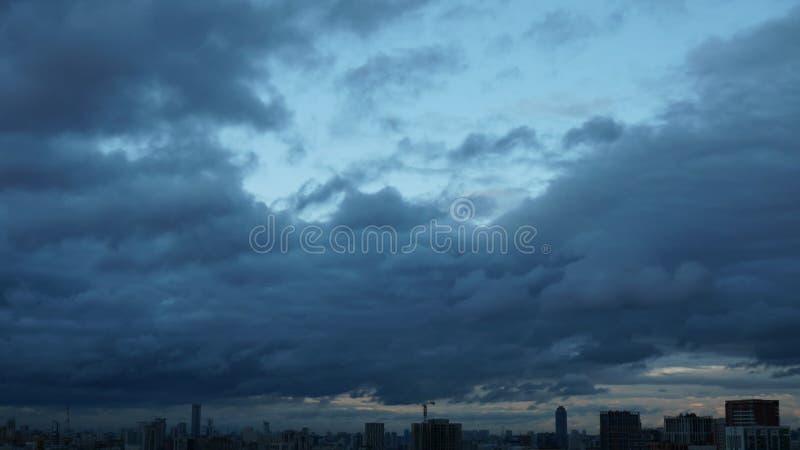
[[149, 148]]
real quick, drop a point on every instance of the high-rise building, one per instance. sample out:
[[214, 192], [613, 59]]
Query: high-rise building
[[373, 436], [620, 430], [179, 430], [153, 434], [179, 443], [8, 432], [561, 427], [546, 440], [436, 434], [757, 437], [743, 413], [295, 440], [196, 420], [719, 434], [249, 435], [689, 429], [209, 427], [131, 438]]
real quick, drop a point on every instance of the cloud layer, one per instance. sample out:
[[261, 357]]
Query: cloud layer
[[124, 223]]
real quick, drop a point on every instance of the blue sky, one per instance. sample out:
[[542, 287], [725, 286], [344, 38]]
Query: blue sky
[[549, 65]]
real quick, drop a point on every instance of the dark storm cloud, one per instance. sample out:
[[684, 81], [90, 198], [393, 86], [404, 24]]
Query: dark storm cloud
[[792, 371], [694, 213], [130, 277], [564, 388], [81, 66], [478, 144], [402, 72], [73, 66], [618, 352], [597, 130]]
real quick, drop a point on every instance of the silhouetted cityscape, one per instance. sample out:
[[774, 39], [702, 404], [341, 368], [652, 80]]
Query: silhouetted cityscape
[[750, 424]]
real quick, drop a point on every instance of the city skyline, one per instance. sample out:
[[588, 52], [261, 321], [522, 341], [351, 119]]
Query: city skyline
[[748, 424], [397, 424]]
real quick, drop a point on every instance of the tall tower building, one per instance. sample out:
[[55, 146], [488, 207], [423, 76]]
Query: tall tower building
[[196, 420], [373, 436], [744, 413], [620, 430], [561, 427]]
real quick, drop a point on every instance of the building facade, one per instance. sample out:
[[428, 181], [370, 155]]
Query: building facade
[[750, 412], [689, 429], [561, 427], [436, 434], [373, 436], [196, 420], [757, 438], [620, 430]]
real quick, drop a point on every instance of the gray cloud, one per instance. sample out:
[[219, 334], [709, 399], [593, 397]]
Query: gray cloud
[[597, 130], [401, 73], [151, 65], [364, 18], [562, 27], [130, 278], [478, 144]]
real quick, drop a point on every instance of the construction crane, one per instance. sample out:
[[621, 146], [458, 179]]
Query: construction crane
[[425, 409]]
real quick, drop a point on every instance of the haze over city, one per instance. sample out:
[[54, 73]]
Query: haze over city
[[327, 214]]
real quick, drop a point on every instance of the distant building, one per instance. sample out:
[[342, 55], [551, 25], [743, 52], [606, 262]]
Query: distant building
[[196, 420], [210, 428], [546, 441], [650, 435], [8, 432], [180, 442], [719, 434], [373, 436], [153, 434], [293, 440], [620, 430], [391, 440], [756, 438], [249, 435], [358, 441], [744, 413], [180, 430], [662, 445], [131, 438], [561, 427], [576, 441], [436, 434], [216, 443], [689, 429]]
